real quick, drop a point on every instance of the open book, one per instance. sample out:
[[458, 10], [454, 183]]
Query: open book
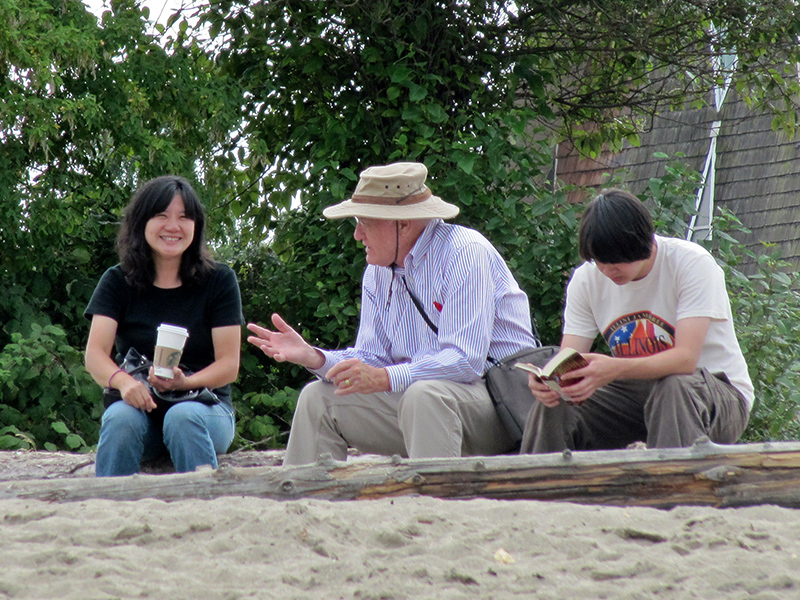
[[564, 361]]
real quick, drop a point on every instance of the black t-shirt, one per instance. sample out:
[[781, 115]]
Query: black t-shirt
[[198, 308]]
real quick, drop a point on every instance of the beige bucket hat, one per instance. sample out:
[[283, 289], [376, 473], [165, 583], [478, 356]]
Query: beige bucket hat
[[393, 192]]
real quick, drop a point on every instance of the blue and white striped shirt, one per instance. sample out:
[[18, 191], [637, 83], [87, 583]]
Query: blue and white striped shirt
[[468, 292]]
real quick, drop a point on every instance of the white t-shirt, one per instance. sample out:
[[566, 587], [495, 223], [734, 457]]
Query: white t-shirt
[[639, 318]]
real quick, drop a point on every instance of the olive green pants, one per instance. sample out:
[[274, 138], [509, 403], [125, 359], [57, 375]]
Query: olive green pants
[[671, 412]]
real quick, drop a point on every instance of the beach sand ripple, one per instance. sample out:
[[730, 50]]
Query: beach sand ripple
[[243, 548]]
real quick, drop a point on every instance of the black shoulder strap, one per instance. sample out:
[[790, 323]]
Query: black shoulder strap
[[421, 310], [425, 316]]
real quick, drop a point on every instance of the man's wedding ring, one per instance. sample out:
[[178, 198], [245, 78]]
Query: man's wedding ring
[[347, 382]]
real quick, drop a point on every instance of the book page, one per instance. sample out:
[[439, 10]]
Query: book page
[[529, 368]]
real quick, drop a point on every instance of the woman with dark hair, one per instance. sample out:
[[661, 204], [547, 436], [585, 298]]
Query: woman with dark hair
[[165, 275]]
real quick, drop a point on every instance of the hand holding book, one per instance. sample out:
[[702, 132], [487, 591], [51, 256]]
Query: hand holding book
[[551, 373]]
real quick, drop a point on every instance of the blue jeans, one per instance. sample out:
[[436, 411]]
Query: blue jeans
[[192, 432]]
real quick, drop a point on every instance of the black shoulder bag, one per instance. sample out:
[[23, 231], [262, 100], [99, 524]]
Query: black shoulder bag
[[507, 386], [138, 366]]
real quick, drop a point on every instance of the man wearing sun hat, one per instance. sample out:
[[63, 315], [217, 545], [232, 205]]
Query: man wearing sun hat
[[436, 300]]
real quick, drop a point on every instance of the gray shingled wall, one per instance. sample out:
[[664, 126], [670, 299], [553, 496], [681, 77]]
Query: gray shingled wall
[[758, 171]]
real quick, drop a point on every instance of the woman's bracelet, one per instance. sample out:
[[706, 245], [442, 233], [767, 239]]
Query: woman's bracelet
[[114, 374]]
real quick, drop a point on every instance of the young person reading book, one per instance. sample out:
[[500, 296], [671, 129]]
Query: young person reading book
[[676, 371]]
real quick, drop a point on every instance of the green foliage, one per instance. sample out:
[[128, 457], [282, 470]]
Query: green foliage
[[609, 64], [671, 198], [48, 399], [766, 308], [86, 113], [263, 419]]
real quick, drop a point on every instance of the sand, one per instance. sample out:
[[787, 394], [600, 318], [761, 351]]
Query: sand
[[236, 548]]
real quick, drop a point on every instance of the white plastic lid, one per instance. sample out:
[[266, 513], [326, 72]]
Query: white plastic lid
[[165, 327]]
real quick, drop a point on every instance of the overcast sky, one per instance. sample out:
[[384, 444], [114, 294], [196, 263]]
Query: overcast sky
[[160, 10]]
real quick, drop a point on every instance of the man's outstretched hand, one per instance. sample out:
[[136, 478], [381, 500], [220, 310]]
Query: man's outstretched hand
[[285, 344]]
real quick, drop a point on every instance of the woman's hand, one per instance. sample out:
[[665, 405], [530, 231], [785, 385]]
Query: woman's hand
[[103, 370], [162, 384], [134, 392]]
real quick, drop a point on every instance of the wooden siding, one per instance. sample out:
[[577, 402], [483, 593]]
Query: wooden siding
[[757, 169]]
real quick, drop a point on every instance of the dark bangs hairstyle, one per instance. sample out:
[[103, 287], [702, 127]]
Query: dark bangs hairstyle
[[136, 256], [616, 228]]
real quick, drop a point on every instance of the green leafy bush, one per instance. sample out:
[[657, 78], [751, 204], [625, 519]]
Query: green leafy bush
[[48, 400], [263, 419], [766, 308]]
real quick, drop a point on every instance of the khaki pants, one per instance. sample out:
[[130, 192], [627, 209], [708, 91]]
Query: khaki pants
[[671, 412], [430, 419]]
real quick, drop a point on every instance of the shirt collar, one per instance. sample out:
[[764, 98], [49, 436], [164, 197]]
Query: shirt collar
[[420, 248]]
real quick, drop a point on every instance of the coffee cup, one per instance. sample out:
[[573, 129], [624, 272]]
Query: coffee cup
[[169, 348]]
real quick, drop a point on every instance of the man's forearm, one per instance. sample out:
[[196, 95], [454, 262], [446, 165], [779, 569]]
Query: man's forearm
[[670, 362]]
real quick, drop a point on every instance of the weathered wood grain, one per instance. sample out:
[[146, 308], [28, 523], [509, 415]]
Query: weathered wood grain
[[706, 474]]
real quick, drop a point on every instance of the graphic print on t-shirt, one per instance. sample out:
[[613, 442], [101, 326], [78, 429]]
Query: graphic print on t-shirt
[[639, 334]]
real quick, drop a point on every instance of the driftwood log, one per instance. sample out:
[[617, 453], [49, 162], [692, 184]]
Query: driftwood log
[[705, 474], [21, 464]]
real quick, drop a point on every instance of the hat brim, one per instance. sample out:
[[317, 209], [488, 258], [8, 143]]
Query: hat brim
[[432, 208]]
